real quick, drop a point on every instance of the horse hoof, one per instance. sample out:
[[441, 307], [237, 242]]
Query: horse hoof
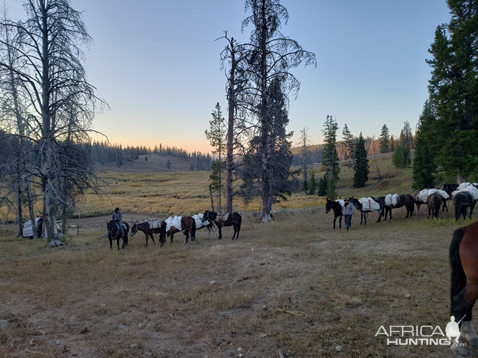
[[460, 350]]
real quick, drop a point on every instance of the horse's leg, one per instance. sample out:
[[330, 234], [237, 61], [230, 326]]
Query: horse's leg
[[379, 215], [340, 222], [186, 236], [390, 211], [111, 244], [117, 242], [335, 218], [220, 232], [471, 208]]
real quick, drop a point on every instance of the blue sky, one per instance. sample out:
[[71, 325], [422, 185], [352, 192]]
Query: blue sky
[[156, 63]]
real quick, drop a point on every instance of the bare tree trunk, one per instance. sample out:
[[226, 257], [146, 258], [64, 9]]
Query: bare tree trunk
[[229, 148]]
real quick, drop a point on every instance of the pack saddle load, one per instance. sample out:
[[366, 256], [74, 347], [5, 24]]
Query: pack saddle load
[[368, 204], [472, 189], [425, 193]]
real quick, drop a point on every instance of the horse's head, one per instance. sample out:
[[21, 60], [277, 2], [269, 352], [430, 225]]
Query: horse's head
[[134, 229], [328, 206], [112, 228]]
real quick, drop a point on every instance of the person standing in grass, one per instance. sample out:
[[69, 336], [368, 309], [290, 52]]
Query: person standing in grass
[[348, 211], [118, 217]]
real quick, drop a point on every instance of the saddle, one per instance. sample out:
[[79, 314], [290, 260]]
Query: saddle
[[154, 224]]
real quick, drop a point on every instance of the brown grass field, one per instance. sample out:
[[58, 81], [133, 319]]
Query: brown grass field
[[290, 288]]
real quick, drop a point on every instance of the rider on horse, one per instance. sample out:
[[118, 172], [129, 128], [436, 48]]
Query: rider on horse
[[118, 217]]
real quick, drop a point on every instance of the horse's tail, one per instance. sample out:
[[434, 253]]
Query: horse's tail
[[458, 277]]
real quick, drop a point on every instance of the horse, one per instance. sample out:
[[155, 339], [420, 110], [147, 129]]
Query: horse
[[463, 254], [148, 231], [188, 227], [463, 200], [403, 200], [228, 219], [338, 211], [114, 233], [364, 212], [449, 188], [434, 202], [416, 197]]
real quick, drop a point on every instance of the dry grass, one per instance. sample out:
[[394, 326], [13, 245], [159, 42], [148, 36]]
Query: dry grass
[[304, 291]]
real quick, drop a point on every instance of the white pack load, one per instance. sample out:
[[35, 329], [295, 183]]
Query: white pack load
[[368, 204], [395, 199], [470, 188], [425, 193], [342, 203], [176, 222], [391, 200], [388, 200], [154, 224], [198, 219]]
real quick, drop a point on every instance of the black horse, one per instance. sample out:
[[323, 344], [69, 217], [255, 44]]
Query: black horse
[[228, 219], [364, 212], [114, 233], [338, 210], [463, 201]]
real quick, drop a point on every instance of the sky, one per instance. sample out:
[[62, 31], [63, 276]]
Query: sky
[[156, 63]]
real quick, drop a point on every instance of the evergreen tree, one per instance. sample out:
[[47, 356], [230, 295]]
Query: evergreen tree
[[361, 168], [406, 136], [392, 144], [349, 143], [453, 90], [322, 186], [401, 157], [384, 139], [423, 164], [312, 185], [330, 159], [217, 138], [331, 189]]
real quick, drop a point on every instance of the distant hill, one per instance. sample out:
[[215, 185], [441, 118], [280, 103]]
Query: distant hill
[[155, 163]]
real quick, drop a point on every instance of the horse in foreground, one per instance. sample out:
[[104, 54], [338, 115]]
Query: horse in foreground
[[338, 210], [366, 205], [463, 254], [150, 228], [228, 219], [114, 233], [186, 224]]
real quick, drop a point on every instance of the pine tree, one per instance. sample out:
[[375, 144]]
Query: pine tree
[[453, 90], [312, 185], [384, 139], [423, 164], [330, 159], [349, 143], [217, 138], [322, 186], [361, 168]]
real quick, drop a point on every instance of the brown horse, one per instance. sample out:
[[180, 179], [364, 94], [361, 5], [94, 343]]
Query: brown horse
[[188, 227], [434, 203], [405, 200], [148, 231], [463, 256]]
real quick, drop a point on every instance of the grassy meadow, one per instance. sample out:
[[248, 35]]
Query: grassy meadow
[[290, 288]]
